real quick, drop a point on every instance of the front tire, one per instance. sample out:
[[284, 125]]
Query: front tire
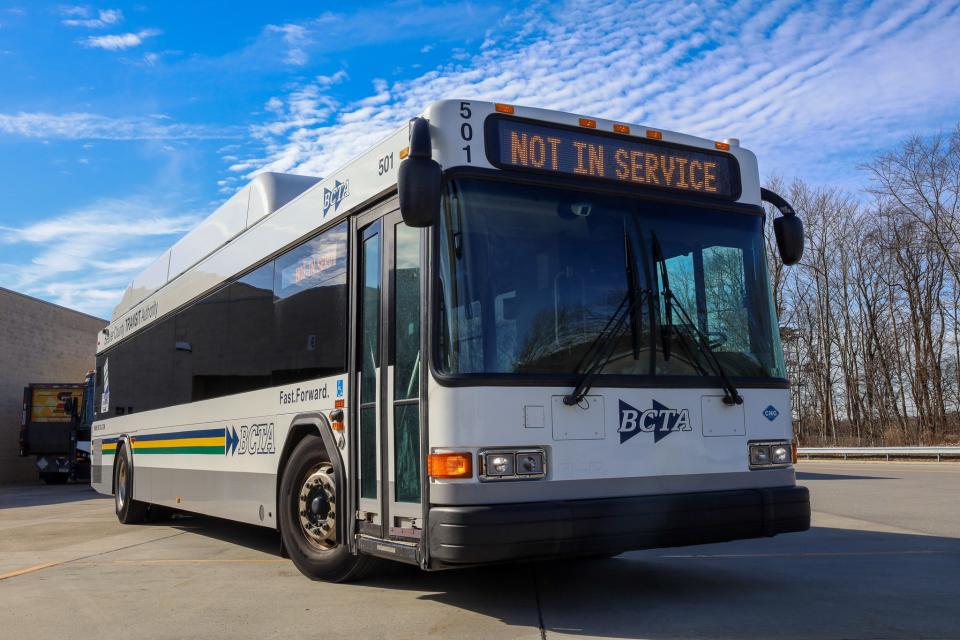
[[129, 511], [308, 516]]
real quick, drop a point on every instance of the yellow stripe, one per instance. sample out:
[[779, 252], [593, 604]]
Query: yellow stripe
[[20, 572], [215, 441]]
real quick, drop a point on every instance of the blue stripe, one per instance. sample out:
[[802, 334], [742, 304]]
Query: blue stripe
[[109, 440], [177, 435]]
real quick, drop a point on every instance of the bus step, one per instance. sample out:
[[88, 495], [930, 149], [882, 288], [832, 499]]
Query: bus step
[[390, 549]]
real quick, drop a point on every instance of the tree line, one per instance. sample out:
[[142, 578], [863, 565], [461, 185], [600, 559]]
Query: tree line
[[869, 318]]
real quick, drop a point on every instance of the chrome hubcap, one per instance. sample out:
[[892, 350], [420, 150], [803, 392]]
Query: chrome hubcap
[[122, 484], [316, 507]]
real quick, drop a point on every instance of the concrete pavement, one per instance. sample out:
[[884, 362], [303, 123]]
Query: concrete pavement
[[882, 561]]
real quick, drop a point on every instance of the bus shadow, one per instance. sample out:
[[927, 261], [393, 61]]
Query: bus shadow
[[241, 534], [824, 583]]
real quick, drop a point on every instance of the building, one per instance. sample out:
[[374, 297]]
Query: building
[[39, 342]]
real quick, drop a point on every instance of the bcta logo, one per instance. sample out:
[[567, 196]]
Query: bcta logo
[[659, 420], [252, 439], [771, 413], [333, 198]]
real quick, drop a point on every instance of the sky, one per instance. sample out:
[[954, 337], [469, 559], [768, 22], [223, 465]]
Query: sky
[[123, 124]]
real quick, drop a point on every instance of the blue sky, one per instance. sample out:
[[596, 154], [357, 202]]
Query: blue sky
[[124, 124]]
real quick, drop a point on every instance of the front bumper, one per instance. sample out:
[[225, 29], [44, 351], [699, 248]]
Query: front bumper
[[502, 532]]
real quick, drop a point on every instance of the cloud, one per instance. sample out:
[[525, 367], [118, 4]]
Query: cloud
[[84, 258], [806, 86], [81, 17], [296, 38], [90, 126], [121, 41]]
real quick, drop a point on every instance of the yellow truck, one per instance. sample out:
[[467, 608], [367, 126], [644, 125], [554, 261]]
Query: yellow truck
[[55, 427]]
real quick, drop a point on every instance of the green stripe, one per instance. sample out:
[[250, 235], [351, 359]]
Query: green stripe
[[213, 450]]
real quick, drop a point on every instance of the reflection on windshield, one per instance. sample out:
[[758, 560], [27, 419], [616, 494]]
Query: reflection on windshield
[[531, 275]]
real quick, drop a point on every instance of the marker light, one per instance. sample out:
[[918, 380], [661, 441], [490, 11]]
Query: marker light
[[503, 108], [621, 128], [450, 465], [723, 146], [404, 152], [588, 123], [654, 135]]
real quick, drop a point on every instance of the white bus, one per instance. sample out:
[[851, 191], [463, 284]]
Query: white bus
[[502, 333]]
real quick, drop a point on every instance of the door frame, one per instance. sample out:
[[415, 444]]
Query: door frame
[[380, 525]]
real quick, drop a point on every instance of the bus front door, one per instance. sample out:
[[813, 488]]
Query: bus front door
[[388, 362]]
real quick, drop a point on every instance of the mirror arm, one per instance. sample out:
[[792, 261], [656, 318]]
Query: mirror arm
[[782, 205]]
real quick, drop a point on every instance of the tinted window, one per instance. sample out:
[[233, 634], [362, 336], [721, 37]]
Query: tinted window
[[285, 321], [310, 288]]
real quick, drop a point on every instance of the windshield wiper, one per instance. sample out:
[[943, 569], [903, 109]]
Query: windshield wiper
[[601, 349], [731, 395]]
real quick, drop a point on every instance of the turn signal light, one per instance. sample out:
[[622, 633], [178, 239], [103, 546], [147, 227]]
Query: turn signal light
[[450, 465]]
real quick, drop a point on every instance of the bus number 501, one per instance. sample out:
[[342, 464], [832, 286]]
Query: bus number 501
[[385, 164], [466, 129]]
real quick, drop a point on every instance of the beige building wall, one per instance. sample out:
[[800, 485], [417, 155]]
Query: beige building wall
[[39, 342]]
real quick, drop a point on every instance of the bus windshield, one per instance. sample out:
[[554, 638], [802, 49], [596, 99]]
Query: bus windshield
[[530, 275]]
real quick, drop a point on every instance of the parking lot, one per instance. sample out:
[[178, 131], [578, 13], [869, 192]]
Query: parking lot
[[882, 561]]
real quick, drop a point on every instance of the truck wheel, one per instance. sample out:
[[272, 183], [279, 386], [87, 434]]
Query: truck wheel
[[308, 516], [129, 511]]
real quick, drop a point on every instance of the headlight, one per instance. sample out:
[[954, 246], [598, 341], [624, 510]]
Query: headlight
[[512, 464], [766, 455]]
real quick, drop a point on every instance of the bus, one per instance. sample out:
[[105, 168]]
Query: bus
[[503, 333]]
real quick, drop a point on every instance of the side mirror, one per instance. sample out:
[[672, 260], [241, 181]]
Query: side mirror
[[789, 233], [788, 228], [418, 179]]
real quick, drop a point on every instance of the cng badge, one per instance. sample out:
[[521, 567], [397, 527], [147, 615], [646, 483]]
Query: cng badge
[[659, 420]]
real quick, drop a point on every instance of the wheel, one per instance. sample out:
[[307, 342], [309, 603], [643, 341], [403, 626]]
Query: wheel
[[308, 516], [129, 511], [55, 478]]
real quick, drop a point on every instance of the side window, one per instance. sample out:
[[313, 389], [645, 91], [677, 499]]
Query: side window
[[139, 372], [250, 332], [310, 308], [200, 348]]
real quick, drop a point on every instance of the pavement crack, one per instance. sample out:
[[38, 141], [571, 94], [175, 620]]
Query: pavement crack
[[50, 565], [536, 594]]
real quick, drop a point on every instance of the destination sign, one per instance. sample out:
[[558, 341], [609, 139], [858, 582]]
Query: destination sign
[[524, 145]]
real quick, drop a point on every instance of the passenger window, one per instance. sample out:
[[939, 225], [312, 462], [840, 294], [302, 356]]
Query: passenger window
[[406, 382], [310, 309]]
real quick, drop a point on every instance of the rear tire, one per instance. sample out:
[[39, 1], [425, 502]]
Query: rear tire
[[129, 511], [308, 516]]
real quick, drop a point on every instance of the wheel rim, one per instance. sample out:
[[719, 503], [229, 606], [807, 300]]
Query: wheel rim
[[317, 507], [121, 484]]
